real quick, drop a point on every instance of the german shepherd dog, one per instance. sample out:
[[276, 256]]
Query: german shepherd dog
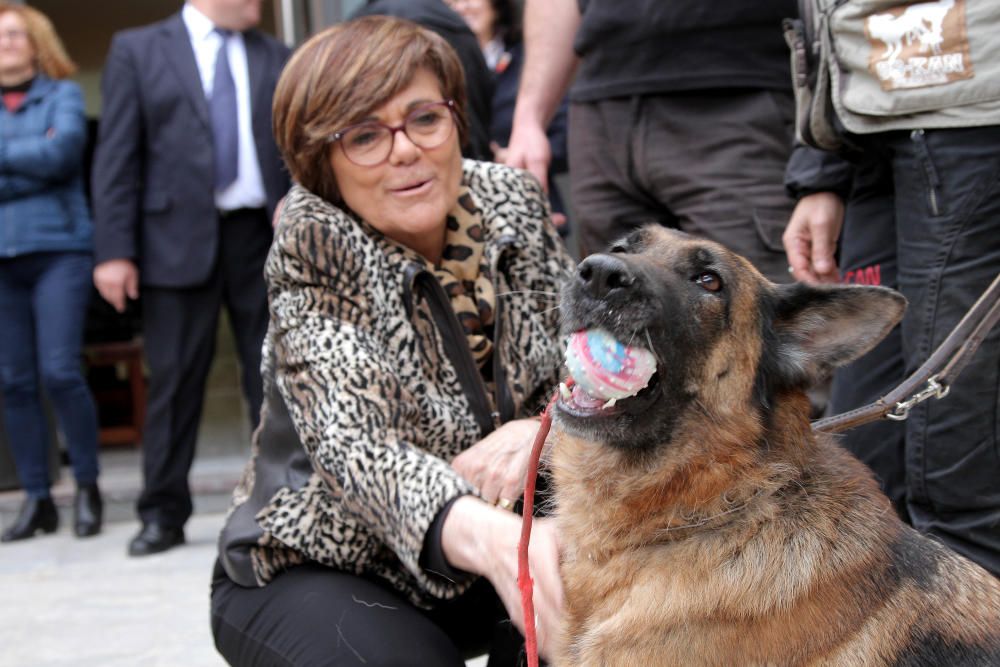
[[704, 523]]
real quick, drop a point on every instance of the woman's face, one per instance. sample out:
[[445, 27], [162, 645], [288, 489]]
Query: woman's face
[[17, 55], [478, 15], [407, 197]]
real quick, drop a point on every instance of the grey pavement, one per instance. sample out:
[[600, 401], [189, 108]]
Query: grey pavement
[[84, 602], [70, 601]]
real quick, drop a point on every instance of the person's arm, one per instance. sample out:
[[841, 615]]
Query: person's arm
[[57, 154], [116, 184], [821, 182], [550, 63], [15, 187], [483, 540], [810, 239], [117, 280]]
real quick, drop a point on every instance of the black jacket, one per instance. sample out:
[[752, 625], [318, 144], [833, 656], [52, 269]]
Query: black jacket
[[653, 47], [811, 170], [436, 16]]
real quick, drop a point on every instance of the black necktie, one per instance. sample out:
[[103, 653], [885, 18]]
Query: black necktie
[[224, 117]]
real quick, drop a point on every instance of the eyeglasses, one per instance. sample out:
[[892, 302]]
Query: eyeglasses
[[13, 35], [369, 144]]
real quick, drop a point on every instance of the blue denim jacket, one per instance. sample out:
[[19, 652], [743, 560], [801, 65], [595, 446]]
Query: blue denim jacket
[[42, 201]]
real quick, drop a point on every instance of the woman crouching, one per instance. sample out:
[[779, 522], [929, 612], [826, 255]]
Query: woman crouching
[[413, 338]]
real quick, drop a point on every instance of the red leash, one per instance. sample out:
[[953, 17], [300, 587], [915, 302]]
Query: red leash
[[524, 581]]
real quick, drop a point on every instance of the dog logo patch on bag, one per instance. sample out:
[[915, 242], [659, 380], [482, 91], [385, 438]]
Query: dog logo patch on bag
[[919, 45]]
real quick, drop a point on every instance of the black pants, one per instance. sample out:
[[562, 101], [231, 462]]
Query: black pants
[[710, 163], [313, 615], [924, 218], [179, 327]]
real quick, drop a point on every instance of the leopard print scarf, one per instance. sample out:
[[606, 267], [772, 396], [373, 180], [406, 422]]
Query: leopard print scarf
[[464, 274]]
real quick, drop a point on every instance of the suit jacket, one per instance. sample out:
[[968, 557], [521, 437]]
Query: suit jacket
[[152, 183]]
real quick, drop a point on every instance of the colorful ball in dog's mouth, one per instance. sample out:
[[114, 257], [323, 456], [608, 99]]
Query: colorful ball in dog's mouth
[[605, 368]]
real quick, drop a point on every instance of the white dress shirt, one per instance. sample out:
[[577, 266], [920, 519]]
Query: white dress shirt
[[248, 188]]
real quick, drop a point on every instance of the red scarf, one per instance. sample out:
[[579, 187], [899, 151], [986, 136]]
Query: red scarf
[[13, 96], [13, 100]]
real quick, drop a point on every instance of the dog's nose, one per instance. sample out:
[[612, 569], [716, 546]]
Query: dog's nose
[[602, 274]]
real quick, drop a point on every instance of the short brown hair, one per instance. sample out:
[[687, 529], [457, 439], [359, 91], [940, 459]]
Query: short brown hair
[[53, 61], [341, 75]]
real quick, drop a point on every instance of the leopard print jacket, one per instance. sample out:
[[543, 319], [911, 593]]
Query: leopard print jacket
[[370, 387]]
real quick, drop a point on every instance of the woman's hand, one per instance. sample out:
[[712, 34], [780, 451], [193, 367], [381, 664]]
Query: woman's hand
[[496, 465], [483, 540], [547, 593]]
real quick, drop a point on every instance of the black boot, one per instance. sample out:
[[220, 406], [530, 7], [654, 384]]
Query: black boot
[[88, 509], [37, 514], [154, 538]]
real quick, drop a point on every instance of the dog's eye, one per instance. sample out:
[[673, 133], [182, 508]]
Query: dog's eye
[[709, 281], [618, 248]]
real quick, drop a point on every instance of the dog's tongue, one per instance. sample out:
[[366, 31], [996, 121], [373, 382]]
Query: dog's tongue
[[582, 399]]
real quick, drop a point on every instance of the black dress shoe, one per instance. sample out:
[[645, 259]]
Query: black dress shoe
[[88, 508], [37, 514], [154, 538]]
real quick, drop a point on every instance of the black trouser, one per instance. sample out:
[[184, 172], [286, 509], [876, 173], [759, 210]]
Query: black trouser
[[710, 163], [314, 615], [924, 217], [179, 327]]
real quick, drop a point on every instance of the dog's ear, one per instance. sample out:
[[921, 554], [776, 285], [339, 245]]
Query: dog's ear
[[819, 328]]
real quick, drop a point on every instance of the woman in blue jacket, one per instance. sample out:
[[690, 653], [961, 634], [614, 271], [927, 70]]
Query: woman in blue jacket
[[45, 268]]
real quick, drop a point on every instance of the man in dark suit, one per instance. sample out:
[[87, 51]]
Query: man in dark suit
[[185, 178]]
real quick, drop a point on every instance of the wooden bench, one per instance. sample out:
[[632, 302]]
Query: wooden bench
[[130, 396]]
